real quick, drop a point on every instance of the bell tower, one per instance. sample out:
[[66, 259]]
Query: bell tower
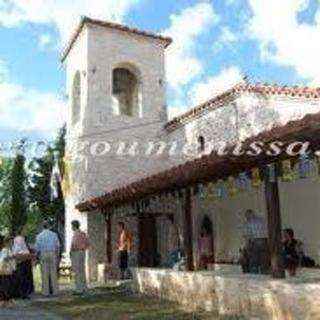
[[116, 90]]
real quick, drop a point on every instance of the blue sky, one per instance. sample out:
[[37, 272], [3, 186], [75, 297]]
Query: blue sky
[[215, 43]]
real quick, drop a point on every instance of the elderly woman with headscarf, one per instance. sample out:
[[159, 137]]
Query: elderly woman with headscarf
[[24, 275]]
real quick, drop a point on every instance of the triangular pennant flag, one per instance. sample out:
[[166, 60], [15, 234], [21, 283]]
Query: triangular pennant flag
[[255, 177], [210, 190], [287, 173], [202, 193], [67, 179], [304, 166], [221, 189], [232, 187], [243, 181]]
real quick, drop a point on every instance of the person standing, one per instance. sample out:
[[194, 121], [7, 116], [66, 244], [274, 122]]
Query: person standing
[[24, 273], [7, 269], [47, 247], [54, 229], [292, 254], [79, 245], [123, 249], [256, 237], [173, 243], [206, 248]]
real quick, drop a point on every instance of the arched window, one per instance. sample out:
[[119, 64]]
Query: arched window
[[76, 97], [202, 143], [126, 92]]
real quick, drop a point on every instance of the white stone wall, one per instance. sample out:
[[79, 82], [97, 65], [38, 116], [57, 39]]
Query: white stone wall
[[248, 115], [226, 214], [76, 61], [225, 291], [96, 53], [300, 205]]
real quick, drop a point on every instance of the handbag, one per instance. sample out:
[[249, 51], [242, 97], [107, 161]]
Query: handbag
[[7, 262]]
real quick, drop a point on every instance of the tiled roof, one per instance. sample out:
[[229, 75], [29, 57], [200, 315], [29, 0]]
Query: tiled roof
[[212, 166], [231, 94], [111, 25]]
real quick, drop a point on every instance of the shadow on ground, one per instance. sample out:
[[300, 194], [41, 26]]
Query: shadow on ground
[[117, 305]]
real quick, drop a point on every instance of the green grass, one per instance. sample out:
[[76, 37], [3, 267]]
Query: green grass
[[63, 282], [120, 306], [112, 304]]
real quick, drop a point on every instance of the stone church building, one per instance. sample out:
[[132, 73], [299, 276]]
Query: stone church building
[[117, 125]]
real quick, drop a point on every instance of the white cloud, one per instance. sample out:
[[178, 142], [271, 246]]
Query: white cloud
[[27, 110], [214, 85], [186, 27], [63, 14], [45, 40], [175, 111], [283, 39], [227, 36]]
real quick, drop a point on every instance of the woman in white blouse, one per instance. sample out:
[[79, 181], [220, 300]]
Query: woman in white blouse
[[7, 269]]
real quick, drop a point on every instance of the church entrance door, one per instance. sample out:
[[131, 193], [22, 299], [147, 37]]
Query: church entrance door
[[148, 253]]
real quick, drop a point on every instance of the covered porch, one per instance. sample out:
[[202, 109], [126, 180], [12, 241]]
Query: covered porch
[[224, 286]]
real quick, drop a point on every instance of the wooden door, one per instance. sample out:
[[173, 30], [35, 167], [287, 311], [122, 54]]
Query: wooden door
[[148, 251]]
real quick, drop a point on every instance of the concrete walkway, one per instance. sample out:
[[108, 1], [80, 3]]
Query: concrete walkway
[[23, 311]]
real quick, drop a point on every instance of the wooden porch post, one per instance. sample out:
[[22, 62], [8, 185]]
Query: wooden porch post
[[109, 239], [188, 237], [274, 226], [108, 218]]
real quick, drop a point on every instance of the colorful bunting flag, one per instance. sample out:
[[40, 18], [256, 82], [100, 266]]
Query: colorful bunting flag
[[210, 190], [202, 194], [232, 186], [221, 190], [304, 166], [255, 177], [287, 172], [243, 181], [67, 179]]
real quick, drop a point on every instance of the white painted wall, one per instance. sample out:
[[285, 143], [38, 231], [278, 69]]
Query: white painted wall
[[300, 209], [95, 53]]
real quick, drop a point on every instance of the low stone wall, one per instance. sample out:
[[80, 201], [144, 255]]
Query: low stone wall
[[228, 292]]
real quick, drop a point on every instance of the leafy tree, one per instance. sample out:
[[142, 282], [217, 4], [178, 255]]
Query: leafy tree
[[18, 204], [5, 174], [39, 192]]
